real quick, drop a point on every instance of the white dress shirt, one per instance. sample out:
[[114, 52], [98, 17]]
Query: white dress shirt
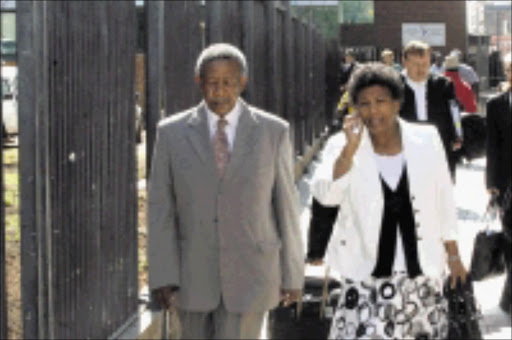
[[420, 97], [232, 118]]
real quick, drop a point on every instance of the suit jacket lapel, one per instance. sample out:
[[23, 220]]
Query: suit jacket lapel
[[199, 135], [431, 100], [408, 110], [244, 140]]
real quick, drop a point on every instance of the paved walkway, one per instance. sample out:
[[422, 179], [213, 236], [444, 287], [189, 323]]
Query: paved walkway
[[471, 200]]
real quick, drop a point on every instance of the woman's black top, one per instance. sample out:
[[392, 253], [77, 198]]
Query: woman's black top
[[397, 214]]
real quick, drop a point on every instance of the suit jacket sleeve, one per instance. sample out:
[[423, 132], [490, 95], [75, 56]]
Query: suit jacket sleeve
[[285, 203], [492, 144], [163, 255]]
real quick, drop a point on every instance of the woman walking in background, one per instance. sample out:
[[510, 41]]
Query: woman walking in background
[[499, 161], [397, 229]]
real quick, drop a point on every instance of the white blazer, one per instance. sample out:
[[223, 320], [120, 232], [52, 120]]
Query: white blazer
[[353, 247]]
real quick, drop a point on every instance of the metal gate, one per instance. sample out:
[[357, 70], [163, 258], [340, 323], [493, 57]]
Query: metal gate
[[77, 165]]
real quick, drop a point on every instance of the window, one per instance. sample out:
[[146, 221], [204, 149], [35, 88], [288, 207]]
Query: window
[[8, 47], [323, 14], [356, 12]]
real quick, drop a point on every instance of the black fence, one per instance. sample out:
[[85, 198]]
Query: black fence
[[78, 184], [3, 292], [77, 164], [285, 55]]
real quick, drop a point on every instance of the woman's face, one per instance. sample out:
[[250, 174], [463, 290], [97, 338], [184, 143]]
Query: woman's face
[[377, 109]]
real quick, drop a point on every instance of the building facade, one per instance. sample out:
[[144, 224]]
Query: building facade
[[394, 23]]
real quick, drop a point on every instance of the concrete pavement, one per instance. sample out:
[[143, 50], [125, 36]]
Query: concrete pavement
[[471, 199]]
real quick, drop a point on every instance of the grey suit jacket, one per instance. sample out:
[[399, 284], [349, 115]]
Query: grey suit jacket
[[238, 236]]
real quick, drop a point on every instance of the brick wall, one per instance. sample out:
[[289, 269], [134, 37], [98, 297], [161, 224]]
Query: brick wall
[[386, 32]]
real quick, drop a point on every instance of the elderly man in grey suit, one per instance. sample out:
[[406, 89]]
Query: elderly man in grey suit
[[224, 239]]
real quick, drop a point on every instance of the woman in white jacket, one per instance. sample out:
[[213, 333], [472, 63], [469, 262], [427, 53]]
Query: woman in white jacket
[[396, 231]]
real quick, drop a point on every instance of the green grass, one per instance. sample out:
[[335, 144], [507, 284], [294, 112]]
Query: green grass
[[11, 195], [12, 228], [11, 157]]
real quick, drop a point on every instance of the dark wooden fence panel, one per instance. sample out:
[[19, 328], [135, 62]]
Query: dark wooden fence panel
[[288, 79], [279, 66], [300, 80], [3, 291], [78, 174], [308, 83], [182, 45]]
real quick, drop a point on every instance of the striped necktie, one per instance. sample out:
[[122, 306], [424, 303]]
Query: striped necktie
[[221, 146]]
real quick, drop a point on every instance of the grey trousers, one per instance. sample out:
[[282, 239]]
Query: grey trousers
[[220, 324]]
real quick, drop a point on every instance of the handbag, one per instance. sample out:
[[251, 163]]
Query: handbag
[[463, 313], [310, 317], [475, 136], [488, 258]]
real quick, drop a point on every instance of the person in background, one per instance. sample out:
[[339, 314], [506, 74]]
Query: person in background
[[388, 58], [467, 73], [431, 99], [499, 168], [396, 232], [465, 96], [347, 68], [437, 67], [224, 243]]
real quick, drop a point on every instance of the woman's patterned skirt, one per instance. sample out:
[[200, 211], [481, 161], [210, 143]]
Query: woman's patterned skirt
[[391, 308]]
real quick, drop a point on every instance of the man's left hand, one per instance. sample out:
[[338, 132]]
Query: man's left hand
[[288, 296]]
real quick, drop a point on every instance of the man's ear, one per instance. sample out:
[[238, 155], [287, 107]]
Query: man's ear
[[197, 80], [243, 83]]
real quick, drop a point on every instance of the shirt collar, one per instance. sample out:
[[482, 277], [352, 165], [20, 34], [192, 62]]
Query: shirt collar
[[412, 83], [232, 117]]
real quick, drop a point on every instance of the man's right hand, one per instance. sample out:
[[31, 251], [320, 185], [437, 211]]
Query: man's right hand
[[164, 297]]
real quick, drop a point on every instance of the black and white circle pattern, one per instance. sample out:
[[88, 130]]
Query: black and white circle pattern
[[398, 307]]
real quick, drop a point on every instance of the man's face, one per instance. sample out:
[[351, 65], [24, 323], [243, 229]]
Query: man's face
[[349, 59], [221, 85], [388, 59], [417, 66]]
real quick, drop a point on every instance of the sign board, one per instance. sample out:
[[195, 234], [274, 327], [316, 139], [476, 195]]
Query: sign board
[[433, 34]]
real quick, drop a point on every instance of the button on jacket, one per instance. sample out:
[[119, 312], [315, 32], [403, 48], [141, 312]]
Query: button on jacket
[[353, 248]]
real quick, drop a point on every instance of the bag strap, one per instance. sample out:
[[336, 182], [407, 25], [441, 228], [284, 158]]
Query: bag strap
[[325, 293], [490, 214]]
